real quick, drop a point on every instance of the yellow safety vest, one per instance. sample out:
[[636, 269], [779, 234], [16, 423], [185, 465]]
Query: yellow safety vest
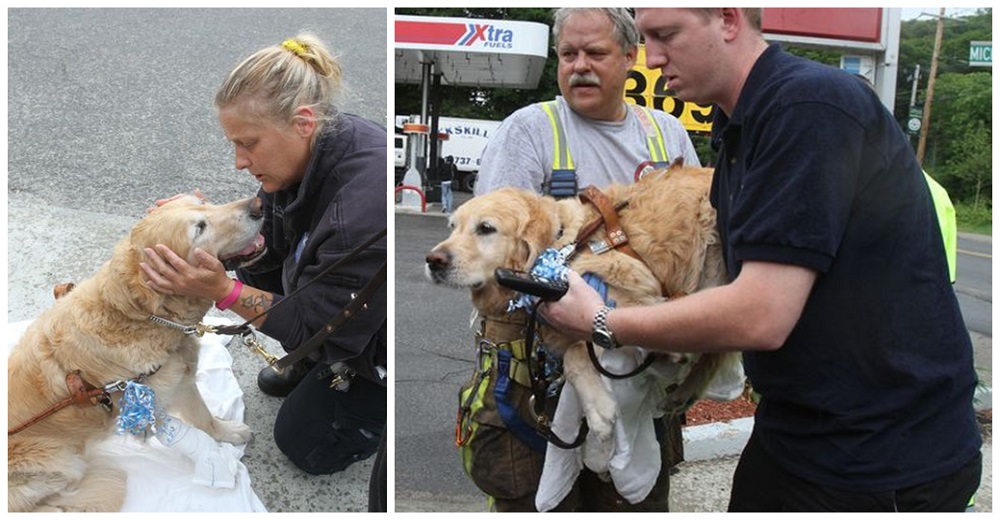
[[946, 219]]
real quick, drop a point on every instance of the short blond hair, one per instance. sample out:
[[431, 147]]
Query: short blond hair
[[754, 15], [273, 82]]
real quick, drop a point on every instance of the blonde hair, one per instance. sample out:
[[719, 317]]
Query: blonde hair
[[753, 15], [273, 82]]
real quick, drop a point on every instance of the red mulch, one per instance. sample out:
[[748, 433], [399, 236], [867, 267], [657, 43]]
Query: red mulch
[[985, 418], [707, 411]]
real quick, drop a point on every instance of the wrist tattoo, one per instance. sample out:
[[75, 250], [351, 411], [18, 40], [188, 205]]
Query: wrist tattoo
[[258, 302]]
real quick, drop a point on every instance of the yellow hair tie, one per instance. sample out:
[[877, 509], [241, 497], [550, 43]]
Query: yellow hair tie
[[294, 46]]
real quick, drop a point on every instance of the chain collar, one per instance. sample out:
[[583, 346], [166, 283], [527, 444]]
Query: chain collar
[[197, 330]]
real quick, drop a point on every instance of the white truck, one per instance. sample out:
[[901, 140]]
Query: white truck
[[466, 140]]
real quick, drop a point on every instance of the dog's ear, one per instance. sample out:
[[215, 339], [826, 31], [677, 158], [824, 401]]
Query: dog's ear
[[165, 226], [569, 215], [133, 293], [169, 225], [540, 225]]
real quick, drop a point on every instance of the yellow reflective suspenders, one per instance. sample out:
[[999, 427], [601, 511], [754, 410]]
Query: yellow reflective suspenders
[[654, 137], [561, 158], [563, 182]]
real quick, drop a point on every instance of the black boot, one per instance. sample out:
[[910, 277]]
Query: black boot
[[280, 384]]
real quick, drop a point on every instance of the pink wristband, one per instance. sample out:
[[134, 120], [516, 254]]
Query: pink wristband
[[228, 301]]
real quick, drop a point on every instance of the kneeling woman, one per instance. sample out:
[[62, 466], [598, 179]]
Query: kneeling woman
[[322, 178]]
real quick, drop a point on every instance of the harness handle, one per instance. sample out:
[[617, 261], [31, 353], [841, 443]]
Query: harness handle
[[80, 395]]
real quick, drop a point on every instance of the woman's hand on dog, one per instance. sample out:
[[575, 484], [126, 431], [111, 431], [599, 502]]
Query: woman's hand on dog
[[159, 202], [573, 314], [168, 273]]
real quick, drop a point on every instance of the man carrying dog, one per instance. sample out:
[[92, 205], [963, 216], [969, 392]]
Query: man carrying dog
[[587, 136], [839, 290]]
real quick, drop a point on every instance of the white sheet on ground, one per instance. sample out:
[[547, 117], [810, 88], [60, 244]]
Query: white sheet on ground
[[161, 478]]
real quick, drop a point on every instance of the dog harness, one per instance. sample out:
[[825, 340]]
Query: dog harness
[[563, 181], [82, 394], [508, 361]]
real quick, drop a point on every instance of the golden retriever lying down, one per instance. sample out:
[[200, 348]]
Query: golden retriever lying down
[[669, 222], [102, 329]]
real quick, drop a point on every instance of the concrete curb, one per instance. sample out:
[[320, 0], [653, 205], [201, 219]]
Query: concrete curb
[[433, 210], [982, 399], [720, 439], [714, 440]]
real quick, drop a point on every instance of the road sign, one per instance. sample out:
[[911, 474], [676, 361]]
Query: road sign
[[981, 54], [914, 121]]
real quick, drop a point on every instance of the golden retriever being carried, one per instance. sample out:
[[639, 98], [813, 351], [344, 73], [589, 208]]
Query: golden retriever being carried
[[669, 223], [100, 336]]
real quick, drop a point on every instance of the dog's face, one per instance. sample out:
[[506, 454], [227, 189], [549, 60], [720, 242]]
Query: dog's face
[[230, 232], [506, 228]]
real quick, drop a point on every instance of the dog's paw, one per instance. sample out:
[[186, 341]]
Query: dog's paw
[[233, 432], [597, 452], [601, 414], [601, 411]]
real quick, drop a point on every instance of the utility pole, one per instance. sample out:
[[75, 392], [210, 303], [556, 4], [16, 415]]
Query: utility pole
[[925, 125]]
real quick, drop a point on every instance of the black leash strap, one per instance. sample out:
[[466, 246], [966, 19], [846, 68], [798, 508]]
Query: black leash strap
[[356, 305], [235, 330], [538, 389], [559, 443], [650, 358]]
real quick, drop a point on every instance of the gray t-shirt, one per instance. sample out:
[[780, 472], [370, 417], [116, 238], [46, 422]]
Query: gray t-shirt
[[520, 153]]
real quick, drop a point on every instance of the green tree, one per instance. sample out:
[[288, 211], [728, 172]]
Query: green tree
[[959, 145], [916, 46], [961, 135]]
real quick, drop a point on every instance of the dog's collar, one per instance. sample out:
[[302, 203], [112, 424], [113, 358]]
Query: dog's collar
[[197, 330]]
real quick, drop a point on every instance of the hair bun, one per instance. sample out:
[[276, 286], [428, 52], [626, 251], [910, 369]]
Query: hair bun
[[297, 48]]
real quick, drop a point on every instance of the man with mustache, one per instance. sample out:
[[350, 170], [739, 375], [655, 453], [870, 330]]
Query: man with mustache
[[606, 138], [596, 139]]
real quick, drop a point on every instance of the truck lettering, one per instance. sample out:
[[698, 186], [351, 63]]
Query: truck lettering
[[467, 130], [467, 139]]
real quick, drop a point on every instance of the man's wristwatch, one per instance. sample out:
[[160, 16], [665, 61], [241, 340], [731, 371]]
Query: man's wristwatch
[[602, 336]]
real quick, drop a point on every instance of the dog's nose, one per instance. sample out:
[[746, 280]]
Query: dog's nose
[[438, 260], [256, 208]]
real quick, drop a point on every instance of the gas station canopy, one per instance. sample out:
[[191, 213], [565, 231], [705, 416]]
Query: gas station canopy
[[471, 52]]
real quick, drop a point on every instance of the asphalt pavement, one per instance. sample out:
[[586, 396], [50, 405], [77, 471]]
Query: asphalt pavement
[[111, 109], [434, 357]]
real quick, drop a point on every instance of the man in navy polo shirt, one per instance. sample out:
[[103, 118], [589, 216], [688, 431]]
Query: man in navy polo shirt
[[839, 293]]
